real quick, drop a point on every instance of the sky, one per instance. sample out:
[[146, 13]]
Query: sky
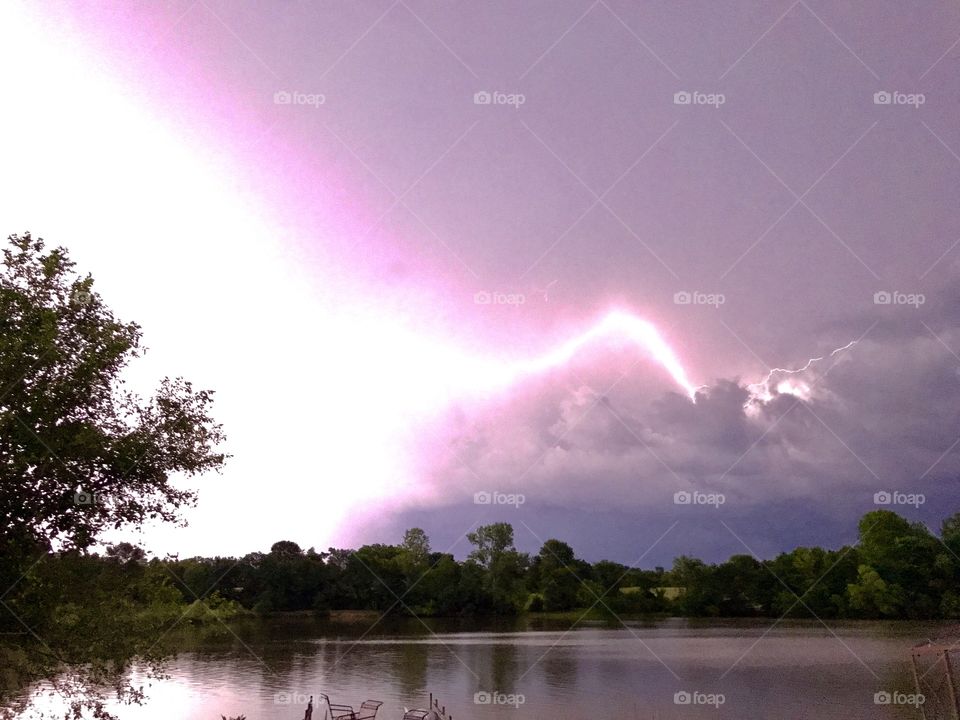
[[550, 263]]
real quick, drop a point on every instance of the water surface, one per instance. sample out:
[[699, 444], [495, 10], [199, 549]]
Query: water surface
[[542, 671]]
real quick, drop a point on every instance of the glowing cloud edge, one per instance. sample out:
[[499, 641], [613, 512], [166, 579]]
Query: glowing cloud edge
[[615, 324]]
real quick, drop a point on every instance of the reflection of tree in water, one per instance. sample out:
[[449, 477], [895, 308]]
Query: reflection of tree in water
[[280, 653], [559, 669], [410, 668], [504, 666], [273, 649]]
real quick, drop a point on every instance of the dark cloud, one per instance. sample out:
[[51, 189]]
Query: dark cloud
[[601, 460]]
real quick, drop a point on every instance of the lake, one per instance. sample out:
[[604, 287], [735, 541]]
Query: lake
[[542, 670]]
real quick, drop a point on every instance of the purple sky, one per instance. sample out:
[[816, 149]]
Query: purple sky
[[319, 261]]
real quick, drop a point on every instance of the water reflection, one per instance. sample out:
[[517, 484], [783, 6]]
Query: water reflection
[[796, 670]]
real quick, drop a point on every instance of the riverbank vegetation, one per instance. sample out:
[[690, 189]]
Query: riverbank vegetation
[[897, 569]]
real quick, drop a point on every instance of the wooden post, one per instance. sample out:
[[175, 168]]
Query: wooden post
[[950, 685], [916, 683]]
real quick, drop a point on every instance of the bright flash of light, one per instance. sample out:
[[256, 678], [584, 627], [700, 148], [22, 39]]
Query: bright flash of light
[[325, 419], [761, 391], [616, 325]]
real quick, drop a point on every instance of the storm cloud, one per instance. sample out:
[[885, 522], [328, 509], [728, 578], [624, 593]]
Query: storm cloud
[[603, 456]]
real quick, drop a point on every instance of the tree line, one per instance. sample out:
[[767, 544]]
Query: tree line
[[897, 569]]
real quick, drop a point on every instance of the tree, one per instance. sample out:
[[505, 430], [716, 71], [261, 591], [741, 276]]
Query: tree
[[125, 552], [285, 548], [376, 577], [904, 555], [699, 593], [556, 575], [416, 552], [80, 454], [503, 565], [950, 533], [741, 581], [872, 596], [817, 580], [490, 543]]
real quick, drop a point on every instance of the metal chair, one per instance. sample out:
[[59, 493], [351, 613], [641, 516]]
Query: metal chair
[[368, 710], [337, 712]]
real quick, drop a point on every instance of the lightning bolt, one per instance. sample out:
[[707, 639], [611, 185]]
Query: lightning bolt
[[616, 324], [762, 391]]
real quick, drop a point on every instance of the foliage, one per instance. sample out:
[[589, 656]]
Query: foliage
[[80, 454], [68, 425]]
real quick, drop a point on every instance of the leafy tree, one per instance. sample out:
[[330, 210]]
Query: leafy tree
[[490, 543], [904, 555], [503, 565], [126, 552], [610, 575], [699, 595], [556, 576], [416, 545], [950, 533], [742, 582], [375, 576], [80, 454], [871, 596], [68, 426], [285, 548], [438, 590], [816, 581]]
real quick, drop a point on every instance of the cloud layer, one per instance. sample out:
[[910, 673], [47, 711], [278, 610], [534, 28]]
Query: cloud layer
[[597, 442]]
